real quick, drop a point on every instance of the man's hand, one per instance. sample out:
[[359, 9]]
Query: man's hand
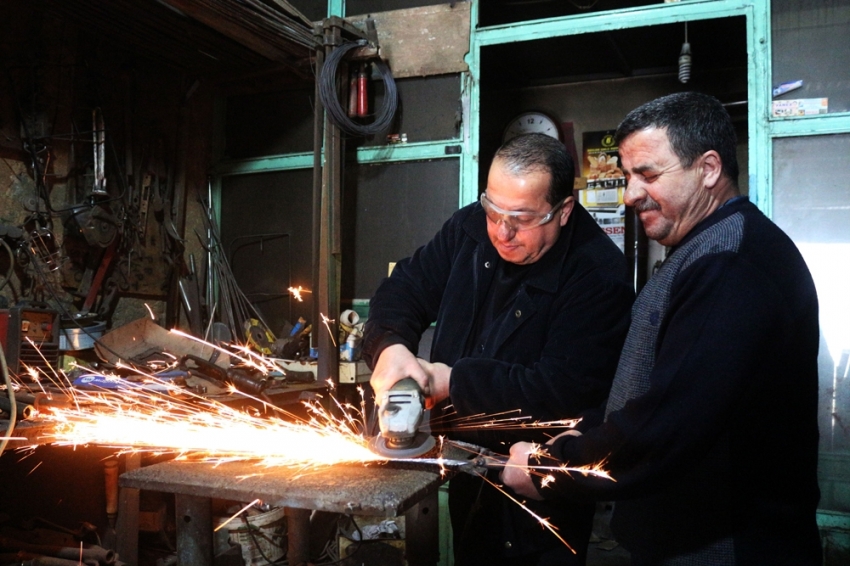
[[439, 378], [394, 364], [516, 474]]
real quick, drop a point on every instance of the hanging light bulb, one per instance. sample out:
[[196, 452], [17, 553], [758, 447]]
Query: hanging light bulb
[[685, 59]]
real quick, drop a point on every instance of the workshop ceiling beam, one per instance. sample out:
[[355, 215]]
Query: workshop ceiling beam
[[272, 33]]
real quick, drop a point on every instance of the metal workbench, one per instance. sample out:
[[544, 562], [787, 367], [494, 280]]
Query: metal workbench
[[371, 490]]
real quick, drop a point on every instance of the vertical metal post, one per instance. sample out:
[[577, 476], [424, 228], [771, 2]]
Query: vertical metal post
[[422, 532], [326, 285], [194, 530], [298, 536], [318, 145], [127, 522]]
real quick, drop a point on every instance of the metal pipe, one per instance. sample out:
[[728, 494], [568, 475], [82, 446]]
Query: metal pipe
[[194, 530], [298, 536], [96, 553], [22, 411]]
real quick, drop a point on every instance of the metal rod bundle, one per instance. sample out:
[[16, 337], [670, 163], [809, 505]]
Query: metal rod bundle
[[230, 305]]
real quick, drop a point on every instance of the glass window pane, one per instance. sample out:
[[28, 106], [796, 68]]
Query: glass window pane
[[811, 202], [496, 12], [359, 7], [809, 39]]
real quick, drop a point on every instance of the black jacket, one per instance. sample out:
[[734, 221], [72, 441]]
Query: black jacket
[[554, 352]]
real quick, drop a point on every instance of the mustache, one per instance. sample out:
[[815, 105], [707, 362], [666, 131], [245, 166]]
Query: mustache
[[647, 204]]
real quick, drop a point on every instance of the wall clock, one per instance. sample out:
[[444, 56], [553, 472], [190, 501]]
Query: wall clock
[[532, 123]]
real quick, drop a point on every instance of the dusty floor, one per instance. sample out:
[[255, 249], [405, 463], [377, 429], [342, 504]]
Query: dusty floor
[[600, 554]]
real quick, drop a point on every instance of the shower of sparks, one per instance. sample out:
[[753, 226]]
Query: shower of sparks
[[327, 322], [498, 421], [245, 355], [151, 415], [153, 317], [296, 293], [192, 427]]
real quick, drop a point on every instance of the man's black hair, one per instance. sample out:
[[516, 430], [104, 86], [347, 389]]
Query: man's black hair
[[538, 152], [695, 123]]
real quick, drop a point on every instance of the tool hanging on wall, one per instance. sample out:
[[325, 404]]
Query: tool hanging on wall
[[358, 91], [99, 134], [330, 95], [363, 91]]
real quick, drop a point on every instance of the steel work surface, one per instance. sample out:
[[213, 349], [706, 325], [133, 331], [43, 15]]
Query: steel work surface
[[373, 489]]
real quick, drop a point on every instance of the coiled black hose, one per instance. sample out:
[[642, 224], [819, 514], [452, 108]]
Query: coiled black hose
[[329, 94]]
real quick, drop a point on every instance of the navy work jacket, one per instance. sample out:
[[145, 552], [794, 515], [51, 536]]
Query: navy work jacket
[[551, 355]]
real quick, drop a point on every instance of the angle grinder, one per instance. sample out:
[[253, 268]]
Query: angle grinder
[[400, 411]]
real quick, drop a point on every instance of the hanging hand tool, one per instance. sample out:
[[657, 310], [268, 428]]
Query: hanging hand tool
[[99, 132], [363, 91], [144, 202]]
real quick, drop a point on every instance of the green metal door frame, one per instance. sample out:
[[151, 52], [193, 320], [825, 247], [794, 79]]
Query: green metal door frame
[[758, 68], [761, 128]]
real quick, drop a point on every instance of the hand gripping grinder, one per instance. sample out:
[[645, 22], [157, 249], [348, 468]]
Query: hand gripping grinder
[[400, 411]]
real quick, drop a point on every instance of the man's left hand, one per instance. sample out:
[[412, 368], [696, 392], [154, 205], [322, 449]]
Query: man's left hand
[[439, 378], [516, 474]]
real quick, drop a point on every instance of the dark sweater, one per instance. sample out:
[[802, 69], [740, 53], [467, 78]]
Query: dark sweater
[[711, 427]]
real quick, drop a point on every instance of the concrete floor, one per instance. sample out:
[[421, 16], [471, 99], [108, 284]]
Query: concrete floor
[[603, 550], [599, 554]]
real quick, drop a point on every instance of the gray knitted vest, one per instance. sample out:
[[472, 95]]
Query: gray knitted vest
[[638, 356]]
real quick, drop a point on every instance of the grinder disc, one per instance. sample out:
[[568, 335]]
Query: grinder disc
[[422, 444]]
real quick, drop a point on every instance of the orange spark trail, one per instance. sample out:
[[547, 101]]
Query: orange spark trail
[[296, 293], [543, 522], [237, 514], [204, 429]]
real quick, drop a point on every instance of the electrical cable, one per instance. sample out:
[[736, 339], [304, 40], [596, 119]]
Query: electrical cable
[[13, 409], [329, 95], [8, 275], [250, 528]]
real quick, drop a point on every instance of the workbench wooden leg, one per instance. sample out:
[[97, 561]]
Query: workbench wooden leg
[[422, 532], [194, 530], [297, 536], [127, 522]]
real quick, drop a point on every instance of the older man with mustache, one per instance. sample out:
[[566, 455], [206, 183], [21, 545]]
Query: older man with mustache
[[711, 426]]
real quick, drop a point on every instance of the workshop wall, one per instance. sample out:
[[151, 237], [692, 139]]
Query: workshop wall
[[388, 209], [266, 229], [157, 127]]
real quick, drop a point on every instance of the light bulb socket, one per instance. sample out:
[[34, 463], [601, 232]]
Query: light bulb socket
[[685, 63]]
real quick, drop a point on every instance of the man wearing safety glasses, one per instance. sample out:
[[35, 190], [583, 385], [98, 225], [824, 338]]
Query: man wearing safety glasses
[[531, 302]]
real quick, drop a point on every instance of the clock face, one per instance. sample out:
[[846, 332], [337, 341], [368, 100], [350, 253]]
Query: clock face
[[531, 123]]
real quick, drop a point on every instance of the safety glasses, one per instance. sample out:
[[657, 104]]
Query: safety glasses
[[517, 220]]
